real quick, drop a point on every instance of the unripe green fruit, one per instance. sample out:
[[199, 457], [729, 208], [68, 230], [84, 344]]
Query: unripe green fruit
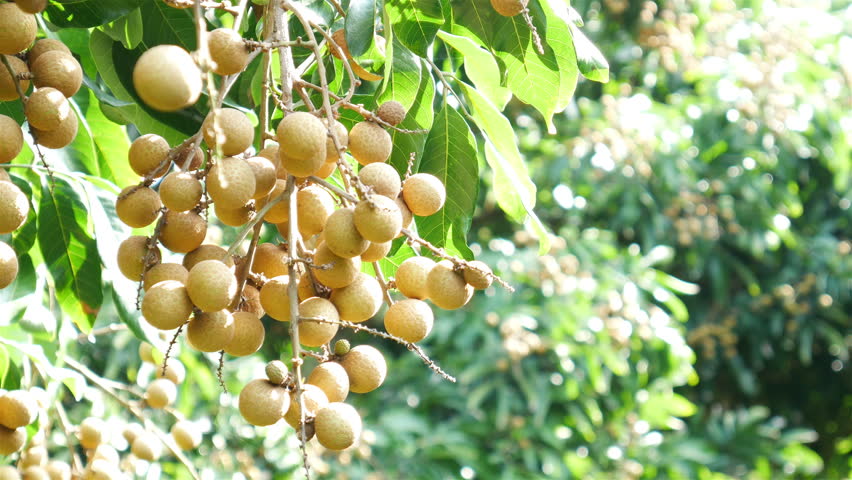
[[478, 275], [424, 194], [261, 403], [45, 45], [58, 70], [162, 272], [312, 397], [166, 78], [91, 432], [391, 112], [231, 183], [18, 29], [342, 271], [341, 347], [509, 8], [314, 333], [270, 260], [14, 207], [31, 6], [273, 297], [166, 305], [147, 447], [342, 236], [332, 379], [180, 191], [211, 332], [211, 285], [337, 426], [249, 334], [12, 440], [207, 252], [370, 143], [264, 175], [11, 138], [59, 137], [186, 435], [410, 320], [366, 368], [276, 372], [183, 232], [376, 251], [302, 138], [411, 277], [46, 108], [228, 51], [237, 132], [314, 205], [8, 265], [342, 135], [358, 301], [149, 153], [383, 178], [17, 409], [138, 206], [160, 393], [378, 218], [446, 288], [131, 256], [7, 83]]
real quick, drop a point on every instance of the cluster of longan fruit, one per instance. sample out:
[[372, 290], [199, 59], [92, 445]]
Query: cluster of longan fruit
[[18, 409], [14, 208]]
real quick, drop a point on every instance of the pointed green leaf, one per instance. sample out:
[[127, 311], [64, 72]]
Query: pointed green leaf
[[127, 29], [591, 61], [402, 76], [112, 145], [419, 117], [415, 22], [24, 237], [360, 26], [481, 68], [87, 13], [557, 37]]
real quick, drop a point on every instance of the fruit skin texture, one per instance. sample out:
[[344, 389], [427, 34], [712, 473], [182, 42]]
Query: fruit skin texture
[[8, 265], [366, 368], [166, 305], [17, 409], [370, 143], [160, 393], [279, 212], [186, 435], [273, 297], [162, 272], [337, 426], [264, 175], [342, 273], [183, 231], [14, 207], [91, 432], [166, 78], [12, 440], [11, 138], [211, 285], [227, 50], [302, 137], [138, 206], [378, 218], [446, 288], [424, 194], [410, 320], [251, 301], [180, 191], [332, 379], [249, 334], [261, 403], [342, 236], [46, 108], [383, 178], [342, 135], [478, 277], [509, 8], [59, 137], [146, 447], [407, 218], [313, 333], [231, 183], [58, 470], [7, 83], [314, 399], [411, 277], [31, 6], [45, 45], [358, 301], [391, 112], [376, 251], [147, 153], [314, 205], [211, 332], [59, 70], [131, 256], [207, 252], [17, 29], [270, 260], [237, 131]]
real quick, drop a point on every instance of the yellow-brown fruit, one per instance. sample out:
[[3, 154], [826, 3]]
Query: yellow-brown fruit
[[180, 191], [370, 143], [236, 217], [424, 194], [251, 301], [138, 206], [211, 332], [391, 112], [59, 137], [106, 452], [261, 403], [270, 260], [12, 440], [332, 379], [207, 252], [273, 297], [58, 470], [228, 51], [312, 397], [366, 368], [342, 271], [17, 409], [58, 70], [342, 236], [302, 138], [249, 334], [166, 305], [162, 272], [270, 152], [175, 371], [47, 108], [411, 277], [358, 301], [509, 8], [186, 435], [91, 432], [276, 372], [160, 393], [326, 170], [146, 447], [146, 352], [132, 431], [8, 265], [279, 212], [211, 285], [147, 154], [342, 135], [231, 183], [410, 320], [183, 232], [306, 287], [31, 6], [376, 251], [313, 333], [166, 78], [35, 473], [407, 218], [338, 426], [33, 456], [18, 29], [131, 256], [14, 207], [7, 83], [11, 138], [194, 164], [237, 132], [264, 175], [478, 275], [314, 205], [378, 218], [4, 176], [446, 288], [8, 472], [383, 178], [45, 45]]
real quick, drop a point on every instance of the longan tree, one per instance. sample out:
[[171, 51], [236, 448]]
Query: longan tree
[[201, 173]]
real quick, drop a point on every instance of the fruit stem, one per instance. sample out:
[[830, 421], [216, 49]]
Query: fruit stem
[[381, 278]]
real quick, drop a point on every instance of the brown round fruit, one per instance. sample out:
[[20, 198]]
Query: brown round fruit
[[237, 132], [424, 194], [378, 218], [60, 137], [410, 320], [261, 403], [12, 440], [342, 271], [131, 256], [17, 409], [236, 217], [407, 218], [366, 368], [312, 397], [314, 205], [166, 305], [231, 183], [91, 432], [391, 112], [45, 45], [302, 138], [264, 175], [18, 29], [338, 426], [342, 135], [211, 332], [31, 6], [332, 379], [167, 78], [8, 265], [58, 70], [180, 160], [7, 83], [446, 288], [146, 447], [376, 251], [11, 138], [509, 8], [318, 322], [160, 393], [138, 206], [273, 297], [411, 277], [14, 207], [280, 211], [186, 435], [148, 154], [383, 178], [162, 272], [180, 191], [183, 231], [249, 334], [207, 252], [342, 236], [251, 301], [47, 108], [370, 143], [478, 275], [270, 260], [211, 285], [175, 371], [228, 51], [358, 301]]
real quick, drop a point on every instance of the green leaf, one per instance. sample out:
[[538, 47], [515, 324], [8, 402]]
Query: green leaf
[[87, 13], [591, 61], [127, 29], [360, 26], [419, 117], [402, 76], [480, 67], [12, 109], [450, 155], [557, 36], [5, 363], [112, 145], [415, 22], [128, 315]]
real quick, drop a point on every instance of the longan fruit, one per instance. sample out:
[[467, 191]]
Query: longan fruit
[[342, 236], [211, 285], [370, 143], [146, 447], [424, 194], [146, 352], [231, 183], [12, 440], [207, 252], [383, 178], [332, 379], [264, 175], [33, 456], [407, 218], [35, 473], [366, 368], [91, 432], [302, 139], [166, 305], [59, 70], [183, 232], [276, 372], [326, 170], [186, 435], [46, 108], [18, 29], [251, 301], [138, 206], [376, 251], [106, 452], [478, 275], [4, 176], [236, 217], [270, 152], [166, 78], [358, 301], [31, 6], [7, 83], [45, 45], [11, 138], [509, 8], [270, 260], [17, 409], [237, 131], [162, 272], [131, 256], [411, 277], [342, 271], [262, 403], [175, 371], [228, 51], [306, 287], [147, 154], [8, 265], [446, 288], [410, 320], [313, 398], [342, 135], [180, 191], [194, 164], [391, 112], [378, 218], [314, 205], [280, 211], [8, 472], [273, 297], [14, 207], [249, 334], [337, 425], [211, 331], [314, 333], [60, 136], [58, 470], [160, 393]]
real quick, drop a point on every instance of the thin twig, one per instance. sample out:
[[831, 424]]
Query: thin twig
[[381, 278], [169, 348], [76, 464], [111, 328], [536, 39], [220, 370]]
